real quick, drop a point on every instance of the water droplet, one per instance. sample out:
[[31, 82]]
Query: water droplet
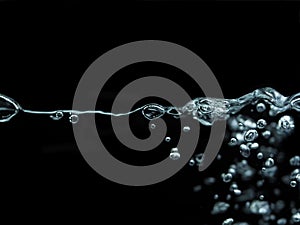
[[74, 119], [260, 155], [228, 221], [261, 124], [245, 150], [227, 177], [269, 162], [250, 135], [153, 111], [167, 139], [186, 129], [152, 126], [57, 115], [174, 154], [293, 183], [260, 107], [295, 161], [8, 108]]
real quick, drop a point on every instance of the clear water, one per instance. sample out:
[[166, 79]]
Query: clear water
[[254, 139]]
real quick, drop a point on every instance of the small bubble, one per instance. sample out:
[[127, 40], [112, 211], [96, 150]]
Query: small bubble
[[250, 135], [227, 177], [260, 155], [153, 111], [174, 154], [199, 158], [295, 161], [74, 119], [261, 124], [261, 197], [233, 141], [197, 188], [285, 123], [281, 221], [219, 157], [293, 183], [186, 129], [298, 177], [296, 217], [233, 186], [269, 162], [254, 145], [192, 162], [167, 139], [152, 126], [260, 107], [245, 150], [266, 134], [228, 221], [237, 192], [216, 196], [57, 116]]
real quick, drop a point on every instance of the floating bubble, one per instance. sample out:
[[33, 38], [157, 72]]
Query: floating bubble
[[286, 124], [167, 139], [298, 177], [254, 145], [57, 115], [73, 119], [153, 111], [220, 207], [293, 183], [261, 197], [261, 124], [245, 150], [281, 221], [227, 177], [250, 135], [260, 207], [237, 192], [228, 221], [233, 141], [296, 217], [174, 154], [266, 134], [8, 108], [269, 162], [260, 155], [186, 129], [152, 126], [216, 196], [295, 160], [192, 162], [260, 107], [199, 158]]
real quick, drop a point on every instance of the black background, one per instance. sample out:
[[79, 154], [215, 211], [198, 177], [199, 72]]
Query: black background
[[45, 49]]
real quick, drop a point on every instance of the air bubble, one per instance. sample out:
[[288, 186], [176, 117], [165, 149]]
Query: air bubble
[[293, 183], [261, 124], [152, 126], [254, 145], [174, 154], [228, 221], [153, 111], [245, 150], [227, 177], [192, 162], [260, 107], [73, 119], [167, 139], [250, 135], [295, 161], [286, 124], [296, 217], [57, 115], [186, 129], [8, 108], [266, 134], [282, 221], [298, 177], [233, 142], [269, 162], [260, 155]]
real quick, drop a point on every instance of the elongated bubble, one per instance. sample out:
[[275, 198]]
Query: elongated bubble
[[8, 108]]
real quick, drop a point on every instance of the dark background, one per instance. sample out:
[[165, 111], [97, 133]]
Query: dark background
[[45, 49]]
